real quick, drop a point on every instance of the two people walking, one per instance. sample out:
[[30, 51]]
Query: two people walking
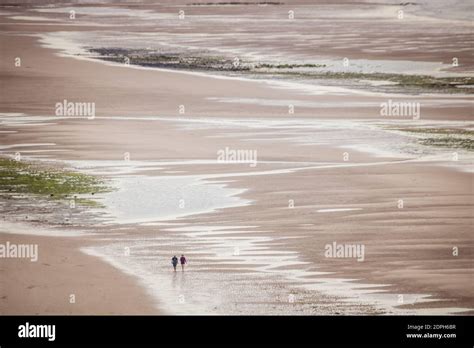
[[182, 260]]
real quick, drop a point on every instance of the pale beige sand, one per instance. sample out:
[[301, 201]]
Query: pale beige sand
[[45, 286]]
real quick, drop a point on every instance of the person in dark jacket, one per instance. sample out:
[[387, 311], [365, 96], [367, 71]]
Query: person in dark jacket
[[174, 262]]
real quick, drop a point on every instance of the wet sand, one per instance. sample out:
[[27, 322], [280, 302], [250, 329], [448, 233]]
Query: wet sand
[[408, 251], [165, 91]]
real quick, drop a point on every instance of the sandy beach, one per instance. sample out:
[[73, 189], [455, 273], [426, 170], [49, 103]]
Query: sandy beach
[[65, 281], [328, 168]]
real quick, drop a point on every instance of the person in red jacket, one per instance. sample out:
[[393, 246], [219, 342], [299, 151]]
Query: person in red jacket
[[183, 261]]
